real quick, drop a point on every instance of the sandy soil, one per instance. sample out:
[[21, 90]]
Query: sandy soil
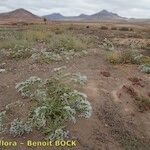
[[116, 122]]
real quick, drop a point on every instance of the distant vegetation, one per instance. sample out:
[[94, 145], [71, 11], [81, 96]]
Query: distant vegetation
[[125, 29], [104, 28], [56, 41], [126, 56]]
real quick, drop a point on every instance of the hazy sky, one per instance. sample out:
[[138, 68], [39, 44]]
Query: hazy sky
[[125, 8]]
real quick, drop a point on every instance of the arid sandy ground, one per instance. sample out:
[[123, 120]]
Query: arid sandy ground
[[116, 122]]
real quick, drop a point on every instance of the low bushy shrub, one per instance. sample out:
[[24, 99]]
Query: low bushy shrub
[[45, 57], [113, 28], [2, 116], [114, 57], [124, 57], [18, 128], [56, 104], [78, 78], [124, 29], [145, 60], [104, 28], [108, 45], [145, 68], [20, 53]]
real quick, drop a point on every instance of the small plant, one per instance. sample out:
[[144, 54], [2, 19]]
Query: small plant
[[113, 28], [78, 78], [59, 134], [124, 57], [143, 103], [129, 56], [104, 28], [2, 115], [124, 29], [2, 70], [60, 69], [20, 53], [145, 68], [145, 60], [114, 57], [39, 117], [108, 45], [45, 57], [18, 128], [13, 105], [28, 87]]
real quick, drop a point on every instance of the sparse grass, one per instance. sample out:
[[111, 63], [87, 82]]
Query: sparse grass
[[123, 57], [20, 44], [66, 42], [38, 35], [16, 48], [45, 57], [145, 68], [14, 44]]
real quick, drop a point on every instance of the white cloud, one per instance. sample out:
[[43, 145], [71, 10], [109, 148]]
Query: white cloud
[[126, 8]]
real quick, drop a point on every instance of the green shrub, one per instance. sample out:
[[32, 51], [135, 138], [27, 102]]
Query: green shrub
[[113, 28], [104, 28], [145, 68], [145, 60], [20, 54], [45, 57], [108, 45], [124, 29], [29, 86], [18, 128], [124, 57], [114, 57], [78, 78], [128, 56], [56, 104], [59, 134], [2, 115]]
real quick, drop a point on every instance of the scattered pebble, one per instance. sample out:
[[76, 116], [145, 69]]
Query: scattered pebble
[[2, 70]]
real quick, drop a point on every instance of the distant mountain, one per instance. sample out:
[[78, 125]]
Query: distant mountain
[[54, 16], [105, 15], [19, 15], [102, 15]]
